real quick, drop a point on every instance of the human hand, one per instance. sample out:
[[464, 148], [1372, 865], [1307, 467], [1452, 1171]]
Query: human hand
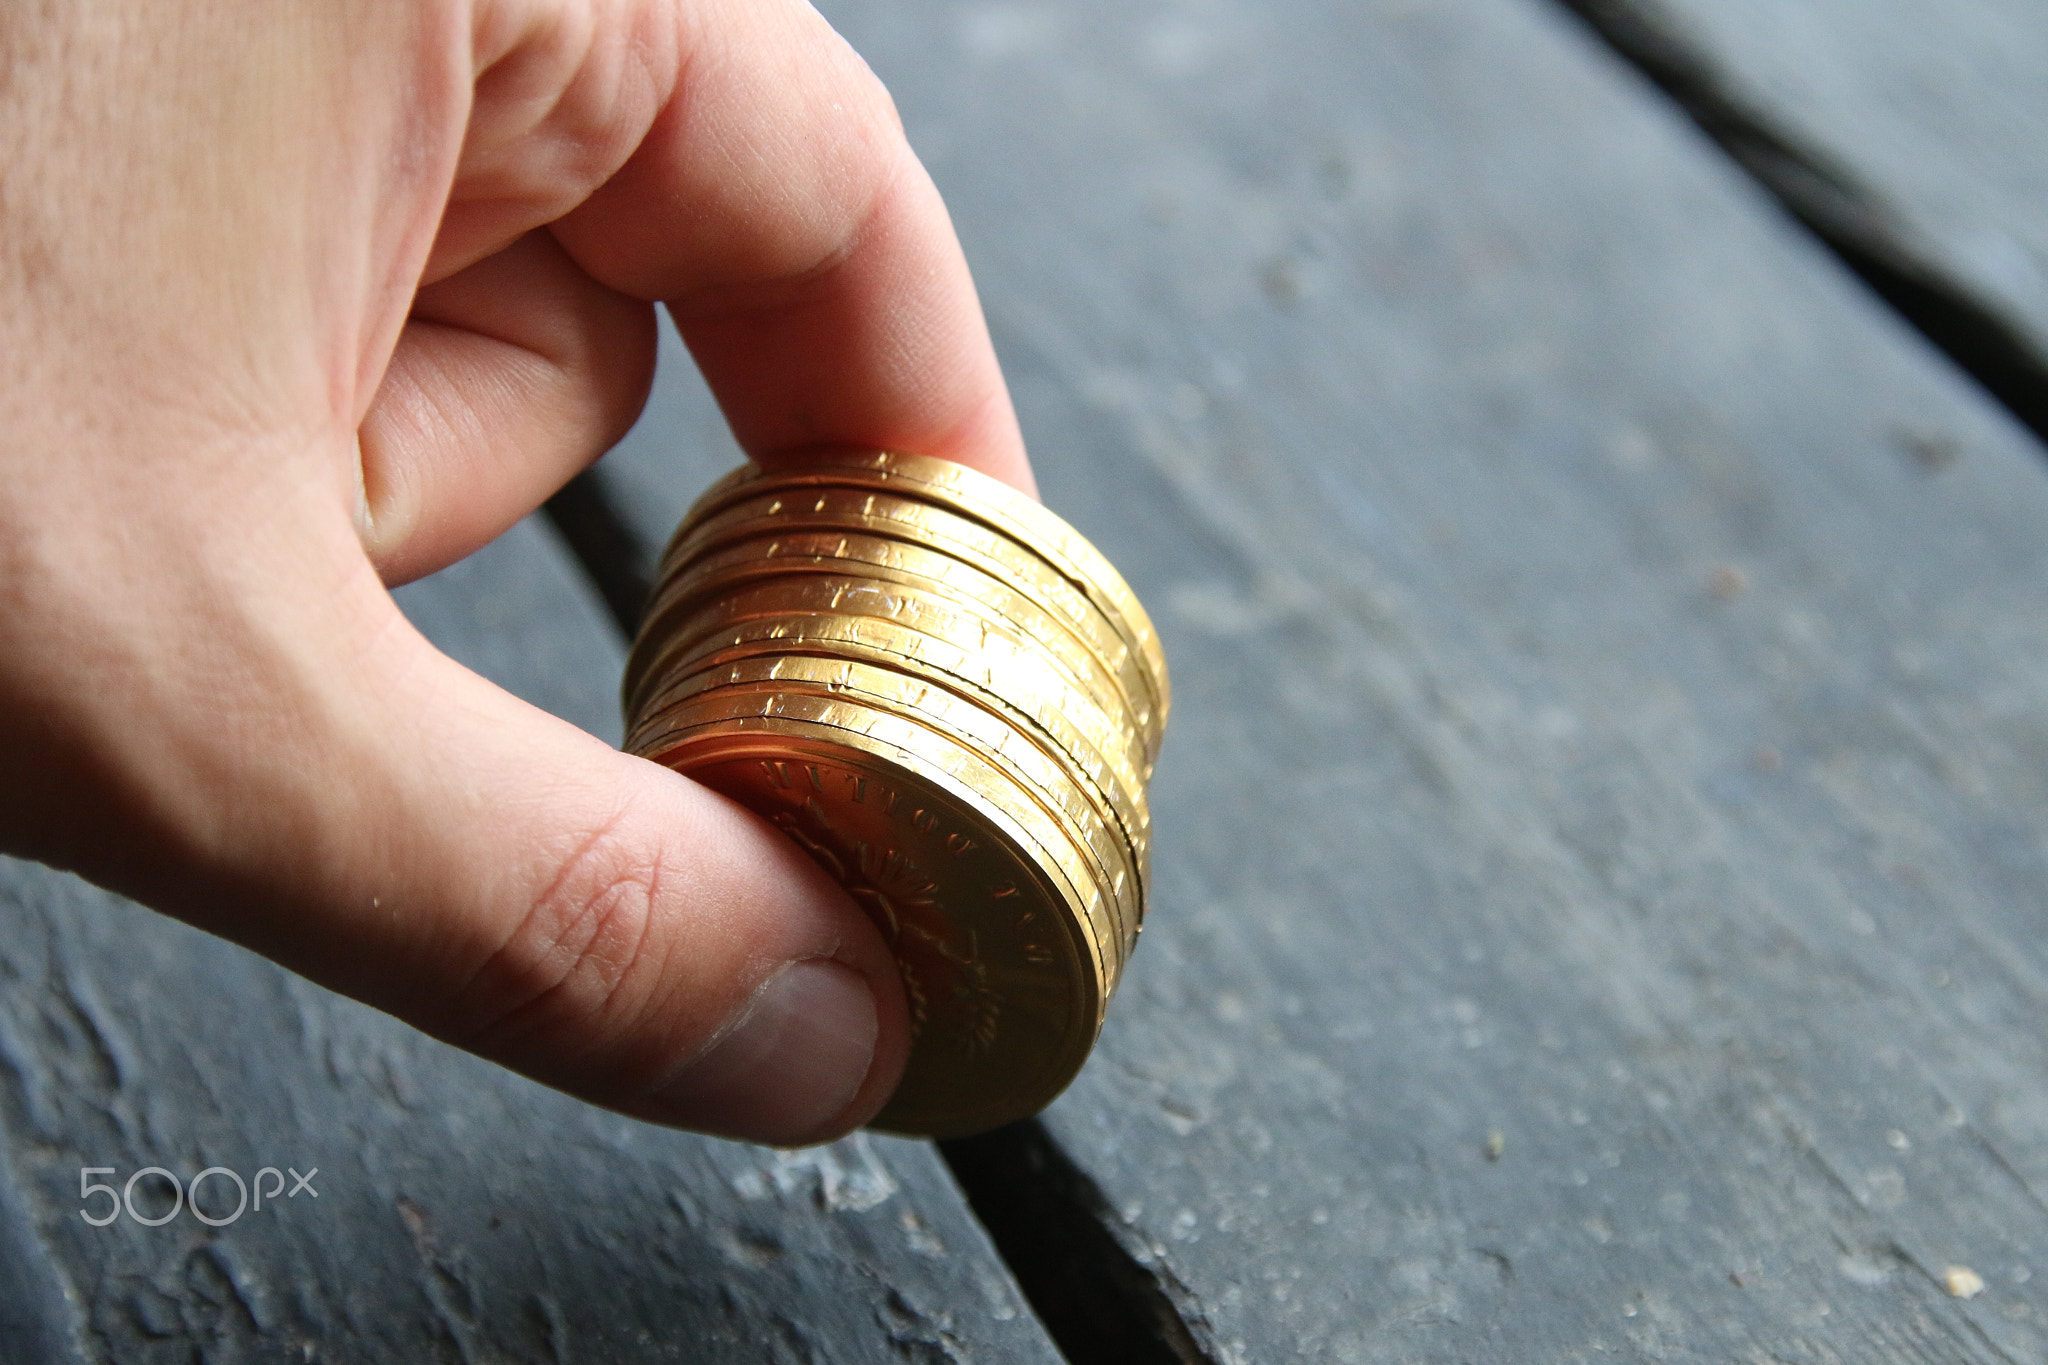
[[303, 300]]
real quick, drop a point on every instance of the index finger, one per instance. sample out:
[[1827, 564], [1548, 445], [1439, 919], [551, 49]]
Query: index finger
[[803, 251]]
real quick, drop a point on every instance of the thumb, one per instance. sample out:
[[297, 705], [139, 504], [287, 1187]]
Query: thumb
[[607, 926], [399, 829]]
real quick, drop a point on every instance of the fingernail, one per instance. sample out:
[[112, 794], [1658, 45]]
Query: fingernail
[[786, 1072]]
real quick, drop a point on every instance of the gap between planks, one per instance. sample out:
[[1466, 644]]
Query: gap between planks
[[1832, 203]]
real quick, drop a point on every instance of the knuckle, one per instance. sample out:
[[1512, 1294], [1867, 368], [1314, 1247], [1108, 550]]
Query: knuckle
[[563, 975]]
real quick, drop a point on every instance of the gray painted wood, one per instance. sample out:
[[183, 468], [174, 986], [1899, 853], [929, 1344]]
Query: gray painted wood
[[1602, 854], [461, 1213], [1934, 111], [38, 1322]]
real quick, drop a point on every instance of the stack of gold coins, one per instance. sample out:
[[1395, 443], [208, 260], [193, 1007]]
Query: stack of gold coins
[[948, 698]]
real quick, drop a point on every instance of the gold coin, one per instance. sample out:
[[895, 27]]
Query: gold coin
[[994, 723], [981, 498], [1027, 521], [776, 551], [971, 631], [933, 529], [1016, 677], [1056, 741], [1009, 564], [1059, 719], [988, 786], [1088, 817], [919, 604], [973, 494], [996, 789], [1005, 979], [1023, 561]]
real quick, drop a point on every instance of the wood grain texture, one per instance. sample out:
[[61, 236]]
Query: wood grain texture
[[38, 1321], [1928, 117], [1602, 897], [462, 1213]]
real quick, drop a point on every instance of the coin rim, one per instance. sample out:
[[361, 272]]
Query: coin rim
[[925, 525], [1026, 812], [1119, 860], [927, 567], [973, 494], [691, 594], [1051, 708], [979, 497], [1053, 734], [1092, 989]]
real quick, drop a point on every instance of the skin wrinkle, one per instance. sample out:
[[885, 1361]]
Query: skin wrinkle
[[800, 287], [793, 181], [422, 160], [568, 380], [599, 133], [397, 503], [528, 952]]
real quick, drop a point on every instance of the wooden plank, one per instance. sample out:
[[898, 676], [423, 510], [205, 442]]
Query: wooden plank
[[460, 1212], [1915, 125], [1601, 859], [38, 1323]]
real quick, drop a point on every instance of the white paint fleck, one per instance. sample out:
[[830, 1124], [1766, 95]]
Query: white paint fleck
[[846, 1177], [1962, 1282], [922, 1239]]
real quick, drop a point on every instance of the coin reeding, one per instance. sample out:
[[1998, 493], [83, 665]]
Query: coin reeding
[[885, 515], [976, 496], [931, 611], [851, 594], [1122, 851], [927, 598], [1069, 746], [714, 708], [981, 659], [972, 494], [686, 654], [770, 549], [1052, 591]]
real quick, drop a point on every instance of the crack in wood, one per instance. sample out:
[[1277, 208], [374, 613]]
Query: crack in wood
[[1849, 218], [1102, 1302]]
